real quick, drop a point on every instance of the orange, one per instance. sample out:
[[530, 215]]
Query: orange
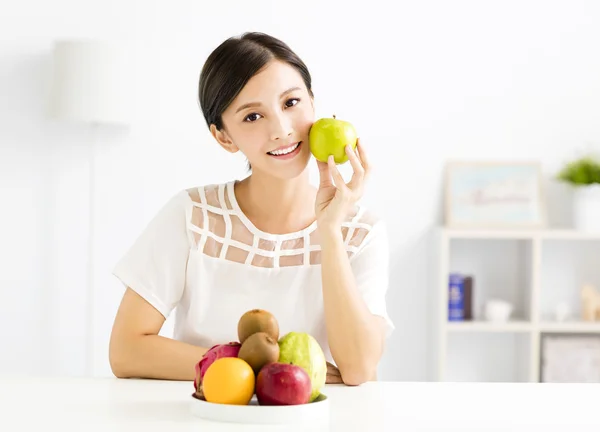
[[229, 380]]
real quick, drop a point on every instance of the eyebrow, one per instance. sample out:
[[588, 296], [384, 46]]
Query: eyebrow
[[256, 104]]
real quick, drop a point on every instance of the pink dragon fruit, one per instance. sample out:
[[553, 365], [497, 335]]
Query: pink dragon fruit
[[230, 349]]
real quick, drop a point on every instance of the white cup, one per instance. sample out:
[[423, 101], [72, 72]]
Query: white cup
[[498, 310], [562, 312]]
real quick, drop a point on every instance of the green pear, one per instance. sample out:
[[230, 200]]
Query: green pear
[[330, 136], [303, 350]]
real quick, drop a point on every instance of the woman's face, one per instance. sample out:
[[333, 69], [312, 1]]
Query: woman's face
[[269, 122]]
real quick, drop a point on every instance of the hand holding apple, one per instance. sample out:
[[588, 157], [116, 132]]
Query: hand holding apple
[[335, 198]]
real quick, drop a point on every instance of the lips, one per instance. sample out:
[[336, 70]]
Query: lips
[[283, 151]]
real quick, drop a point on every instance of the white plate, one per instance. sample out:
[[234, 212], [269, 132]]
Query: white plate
[[313, 413]]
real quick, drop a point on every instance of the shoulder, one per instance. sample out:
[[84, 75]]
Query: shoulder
[[185, 204], [211, 216], [174, 208], [212, 195]]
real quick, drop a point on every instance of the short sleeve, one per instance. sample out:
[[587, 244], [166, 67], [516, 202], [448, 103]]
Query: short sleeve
[[155, 265], [371, 272]]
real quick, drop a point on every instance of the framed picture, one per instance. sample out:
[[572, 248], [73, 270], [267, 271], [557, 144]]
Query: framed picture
[[494, 195], [570, 359]]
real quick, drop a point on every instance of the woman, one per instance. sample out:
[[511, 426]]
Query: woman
[[312, 257]]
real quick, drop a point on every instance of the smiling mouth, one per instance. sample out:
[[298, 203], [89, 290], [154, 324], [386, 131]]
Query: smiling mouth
[[285, 151]]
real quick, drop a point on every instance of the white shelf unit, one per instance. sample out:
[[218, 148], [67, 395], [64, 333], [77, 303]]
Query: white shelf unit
[[548, 266]]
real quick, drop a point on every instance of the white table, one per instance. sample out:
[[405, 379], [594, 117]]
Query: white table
[[110, 404]]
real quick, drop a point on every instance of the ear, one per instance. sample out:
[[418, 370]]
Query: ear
[[223, 139]]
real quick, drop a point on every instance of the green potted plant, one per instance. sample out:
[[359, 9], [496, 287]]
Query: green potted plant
[[583, 174]]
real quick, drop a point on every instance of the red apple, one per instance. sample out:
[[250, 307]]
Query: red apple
[[282, 384]]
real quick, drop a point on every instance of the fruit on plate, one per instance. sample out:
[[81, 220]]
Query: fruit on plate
[[230, 349], [330, 136], [282, 384], [229, 380], [257, 320], [259, 350], [303, 350]]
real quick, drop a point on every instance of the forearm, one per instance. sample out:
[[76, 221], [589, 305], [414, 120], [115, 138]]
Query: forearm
[[157, 357], [353, 332]]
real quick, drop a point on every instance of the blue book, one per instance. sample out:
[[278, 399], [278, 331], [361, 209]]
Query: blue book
[[456, 297]]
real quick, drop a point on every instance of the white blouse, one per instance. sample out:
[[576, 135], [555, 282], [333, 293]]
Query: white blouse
[[203, 259]]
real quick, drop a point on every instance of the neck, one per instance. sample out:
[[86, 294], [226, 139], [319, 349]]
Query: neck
[[277, 206]]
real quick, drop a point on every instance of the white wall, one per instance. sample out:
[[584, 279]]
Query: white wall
[[423, 82]]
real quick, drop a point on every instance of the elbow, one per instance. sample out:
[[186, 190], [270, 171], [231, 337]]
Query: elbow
[[120, 364], [119, 369], [354, 379], [357, 375], [357, 372]]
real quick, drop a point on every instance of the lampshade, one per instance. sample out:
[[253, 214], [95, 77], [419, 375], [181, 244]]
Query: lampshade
[[91, 82]]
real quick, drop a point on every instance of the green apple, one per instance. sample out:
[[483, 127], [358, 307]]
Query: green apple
[[330, 136], [301, 349]]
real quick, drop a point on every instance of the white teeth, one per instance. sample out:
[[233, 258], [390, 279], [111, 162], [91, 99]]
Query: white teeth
[[285, 150]]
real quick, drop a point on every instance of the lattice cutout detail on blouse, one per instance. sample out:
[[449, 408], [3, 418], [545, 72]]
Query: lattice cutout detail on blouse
[[220, 230]]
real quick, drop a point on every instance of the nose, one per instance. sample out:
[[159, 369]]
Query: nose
[[281, 128]]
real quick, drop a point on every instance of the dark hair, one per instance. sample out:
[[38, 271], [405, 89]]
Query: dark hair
[[231, 65]]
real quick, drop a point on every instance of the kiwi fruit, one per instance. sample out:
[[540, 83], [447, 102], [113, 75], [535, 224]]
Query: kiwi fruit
[[257, 320], [258, 350]]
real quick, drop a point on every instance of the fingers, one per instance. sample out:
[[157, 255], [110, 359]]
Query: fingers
[[359, 172], [334, 379], [324, 174], [363, 157], [333, 370], [335, 173], [360, 166], [355, 161], [333, 375]]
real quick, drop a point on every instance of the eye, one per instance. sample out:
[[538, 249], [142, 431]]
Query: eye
[[291, 102], [252, 117]]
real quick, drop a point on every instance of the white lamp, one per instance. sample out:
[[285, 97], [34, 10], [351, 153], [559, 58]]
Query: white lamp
[[91, 84]]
